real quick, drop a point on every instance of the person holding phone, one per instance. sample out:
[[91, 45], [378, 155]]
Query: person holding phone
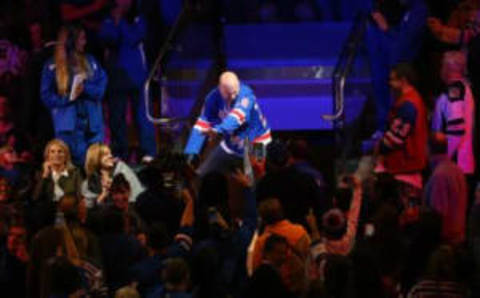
[[230, 113], [72, 87]]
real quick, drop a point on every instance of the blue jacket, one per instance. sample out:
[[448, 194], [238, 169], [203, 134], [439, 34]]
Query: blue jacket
[[127, 64], [65, 112], [236, 122]]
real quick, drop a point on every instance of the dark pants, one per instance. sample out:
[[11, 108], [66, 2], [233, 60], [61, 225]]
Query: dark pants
[[78, 141], [218, 161], [117, 105], [380, 64]]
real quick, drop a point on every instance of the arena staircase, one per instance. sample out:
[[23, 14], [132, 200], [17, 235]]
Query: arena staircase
[[295, 70]]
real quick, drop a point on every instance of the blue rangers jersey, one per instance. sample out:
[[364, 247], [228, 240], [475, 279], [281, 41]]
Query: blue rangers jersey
[[237, 121]]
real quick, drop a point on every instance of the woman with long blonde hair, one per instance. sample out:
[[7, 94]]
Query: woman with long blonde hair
[[59, 176], [101, 167], [72, 87]]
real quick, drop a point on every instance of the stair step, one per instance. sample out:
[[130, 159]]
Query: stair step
[[285, 43], [274, 88]]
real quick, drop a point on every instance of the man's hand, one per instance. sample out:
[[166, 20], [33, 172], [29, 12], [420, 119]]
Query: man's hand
[[212, 134], [380, 20], [242, 179]]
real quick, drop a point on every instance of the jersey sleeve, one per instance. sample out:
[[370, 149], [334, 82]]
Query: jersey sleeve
[[238, 116], [208, 117], [400, 128]]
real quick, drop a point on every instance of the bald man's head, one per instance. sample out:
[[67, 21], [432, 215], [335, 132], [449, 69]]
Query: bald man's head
[[229, 86]]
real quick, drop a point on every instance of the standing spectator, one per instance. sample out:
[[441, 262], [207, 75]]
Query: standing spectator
[[59, 176], [455, 110], [293, 271], [402, 149], [72, 88], [124, 32], [389, 44], [440, 278], [340, 224], [266, 280], [446, 192], [101, 167]]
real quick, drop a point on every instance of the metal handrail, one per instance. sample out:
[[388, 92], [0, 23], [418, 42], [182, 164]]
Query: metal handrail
[[167, 46], [344, 65]]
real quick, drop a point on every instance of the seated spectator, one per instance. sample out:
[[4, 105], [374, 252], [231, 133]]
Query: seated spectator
[[293, 271], [339, 225], [101, 167], [66, 238], [9, 133], [157, 203], [446, 191], [266, 280], [59, 176], [119, 195], [299, 160], [176, 277], [14, 257], [455, 110], [402, 149], [64, 279], [127, 292], [14, 170], [440, 278], [424, 237], [120, 251]]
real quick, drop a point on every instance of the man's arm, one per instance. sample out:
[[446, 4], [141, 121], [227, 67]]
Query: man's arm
[[203, 125], [239, 115], [71, 12], [453, 35], [400, 128]]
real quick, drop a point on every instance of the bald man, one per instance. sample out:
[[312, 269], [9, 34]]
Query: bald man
[[231, 112]]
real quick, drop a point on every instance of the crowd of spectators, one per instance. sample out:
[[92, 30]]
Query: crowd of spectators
[[78, 220]]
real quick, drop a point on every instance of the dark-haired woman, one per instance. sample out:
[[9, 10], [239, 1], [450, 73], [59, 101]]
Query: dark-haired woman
[[72, 87], [124, 33]]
